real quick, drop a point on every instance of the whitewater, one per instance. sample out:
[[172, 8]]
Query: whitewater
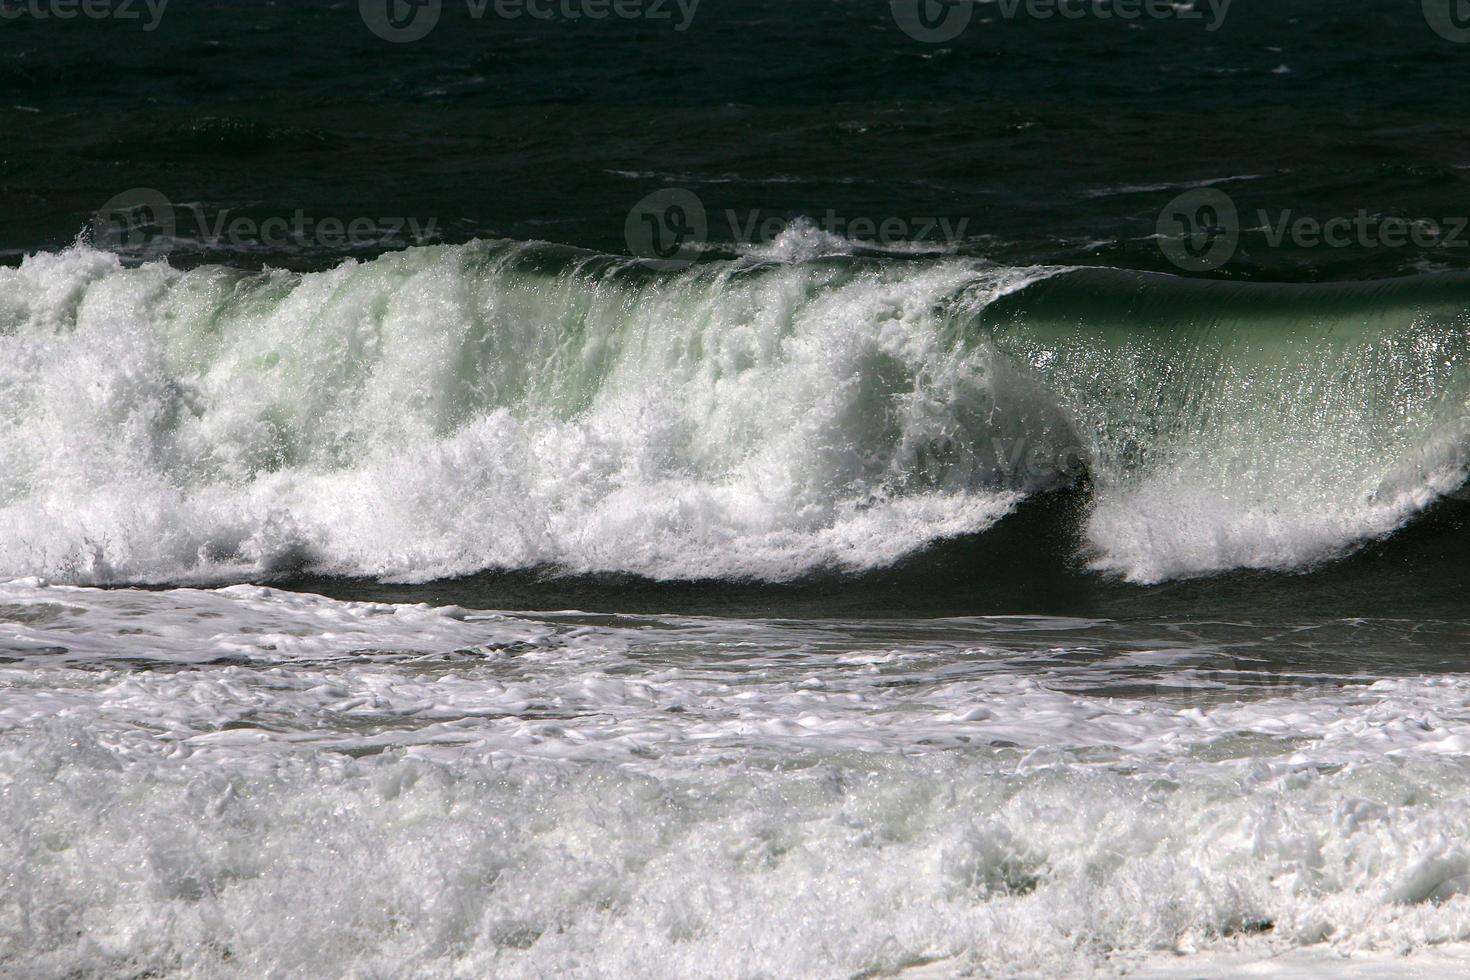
[[249, 782], [448, 410], [219, 759]]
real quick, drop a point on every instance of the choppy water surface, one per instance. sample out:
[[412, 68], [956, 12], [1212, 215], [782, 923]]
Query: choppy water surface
[[250, 781]]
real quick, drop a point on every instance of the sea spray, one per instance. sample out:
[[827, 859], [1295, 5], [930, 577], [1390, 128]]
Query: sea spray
[[451, 409]]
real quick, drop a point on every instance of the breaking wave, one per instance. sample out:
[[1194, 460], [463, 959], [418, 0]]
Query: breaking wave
[[497, 405]]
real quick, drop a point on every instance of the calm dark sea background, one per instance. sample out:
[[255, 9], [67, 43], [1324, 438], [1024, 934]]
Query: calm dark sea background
[[1041, 141]]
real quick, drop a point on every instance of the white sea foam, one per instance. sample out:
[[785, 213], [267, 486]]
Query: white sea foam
[[247, 782], [445, 410], [438, 412]]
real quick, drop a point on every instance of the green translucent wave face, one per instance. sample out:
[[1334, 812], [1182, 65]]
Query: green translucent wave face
[[1248, 425]]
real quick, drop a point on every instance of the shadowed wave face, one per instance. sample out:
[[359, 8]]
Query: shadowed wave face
[[798, 412]]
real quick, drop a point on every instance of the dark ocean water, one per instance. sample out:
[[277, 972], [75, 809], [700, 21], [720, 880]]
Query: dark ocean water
[[1039, 140], [749, 488]]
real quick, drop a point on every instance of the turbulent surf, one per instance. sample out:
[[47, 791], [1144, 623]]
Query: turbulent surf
[[448, 410]]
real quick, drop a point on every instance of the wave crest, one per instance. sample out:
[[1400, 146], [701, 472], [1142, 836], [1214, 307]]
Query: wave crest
[[446, 410]]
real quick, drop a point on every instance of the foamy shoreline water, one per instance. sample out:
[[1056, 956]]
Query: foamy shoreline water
[[249, 781]]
